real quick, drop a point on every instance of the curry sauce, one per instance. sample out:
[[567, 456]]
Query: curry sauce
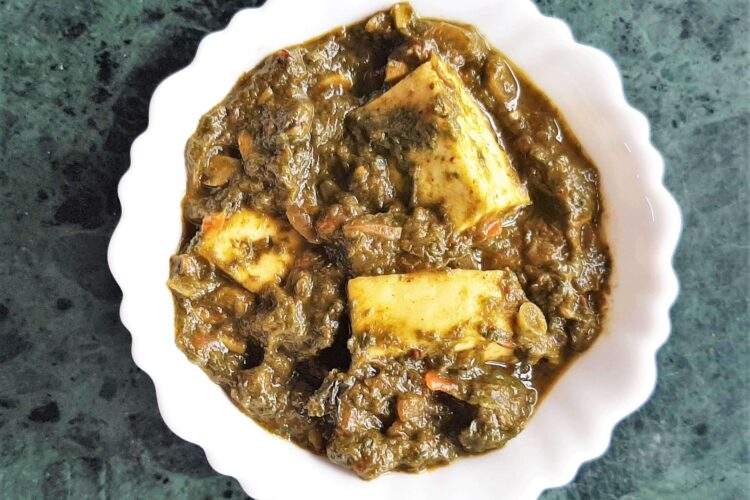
[[393, 245]]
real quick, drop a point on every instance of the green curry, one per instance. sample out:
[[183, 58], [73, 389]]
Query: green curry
[[392, 245]]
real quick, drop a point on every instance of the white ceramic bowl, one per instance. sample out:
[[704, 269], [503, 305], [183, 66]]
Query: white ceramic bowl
[[575, 421]]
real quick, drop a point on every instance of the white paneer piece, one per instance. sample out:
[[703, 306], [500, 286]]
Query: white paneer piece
[[434, 312], [466, 173], [251, 247]]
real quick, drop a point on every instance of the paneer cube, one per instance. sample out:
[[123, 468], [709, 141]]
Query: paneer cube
[[252, 248], [434, 312], [464, 171]]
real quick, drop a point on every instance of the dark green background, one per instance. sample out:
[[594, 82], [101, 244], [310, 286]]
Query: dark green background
[[79, 420]]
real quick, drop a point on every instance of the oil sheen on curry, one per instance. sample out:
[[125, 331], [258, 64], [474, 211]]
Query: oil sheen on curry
[[392, 245]]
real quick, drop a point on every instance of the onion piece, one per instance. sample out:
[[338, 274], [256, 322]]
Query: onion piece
[[435, 382], [245, 144], [385, 231], [302, 223], [220, 169]]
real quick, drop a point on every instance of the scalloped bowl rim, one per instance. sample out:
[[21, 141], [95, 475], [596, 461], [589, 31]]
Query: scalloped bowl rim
[[575, 421]]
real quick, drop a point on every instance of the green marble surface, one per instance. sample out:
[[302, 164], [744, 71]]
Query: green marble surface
[[79, 420]]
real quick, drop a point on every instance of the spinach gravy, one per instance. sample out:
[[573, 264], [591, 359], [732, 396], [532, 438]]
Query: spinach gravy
[[393, 245]]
